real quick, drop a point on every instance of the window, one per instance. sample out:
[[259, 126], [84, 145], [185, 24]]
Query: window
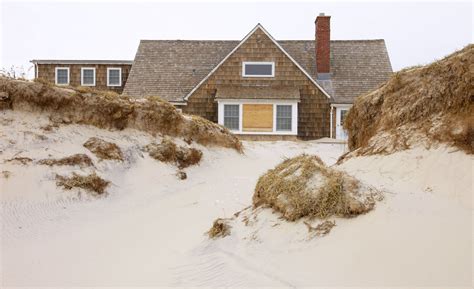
[[62, 75], [258, 69], [283, 117], [88, 76], [231, 116], [114, 76], [343, 115]]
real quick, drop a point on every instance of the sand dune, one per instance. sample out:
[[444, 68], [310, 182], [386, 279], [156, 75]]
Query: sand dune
[[150, 228]]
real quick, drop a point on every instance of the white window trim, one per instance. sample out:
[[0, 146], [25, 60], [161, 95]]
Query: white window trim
[[82, 76], [120, 76], [258, 62], [240, 102], [56, 75]]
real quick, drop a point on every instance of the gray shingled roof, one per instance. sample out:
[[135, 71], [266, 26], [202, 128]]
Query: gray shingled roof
[[257, 92], [172, 68], [65, 61]]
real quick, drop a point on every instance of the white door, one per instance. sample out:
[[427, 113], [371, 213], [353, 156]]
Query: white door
[[340, 116]]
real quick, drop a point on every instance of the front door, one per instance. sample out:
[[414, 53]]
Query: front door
[[340, 116]]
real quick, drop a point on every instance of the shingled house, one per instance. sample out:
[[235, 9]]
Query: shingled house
[[260, 87]]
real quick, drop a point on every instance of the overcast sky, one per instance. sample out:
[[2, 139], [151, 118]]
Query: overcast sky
[[415, 33]]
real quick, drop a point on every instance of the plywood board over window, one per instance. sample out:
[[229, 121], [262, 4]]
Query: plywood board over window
[[257, 117]]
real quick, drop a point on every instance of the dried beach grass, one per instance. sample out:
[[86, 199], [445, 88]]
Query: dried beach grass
[[110, 111], [81, 160], [19, 160], [304, 187], [91, 183], [220, 229], [168, 151], [433, 101], [104, 150]]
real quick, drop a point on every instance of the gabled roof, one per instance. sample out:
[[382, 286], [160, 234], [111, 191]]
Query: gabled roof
[[171, 69], [258, 27]]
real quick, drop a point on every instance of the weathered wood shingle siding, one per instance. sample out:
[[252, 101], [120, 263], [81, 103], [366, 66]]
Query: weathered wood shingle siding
[[48, 71], [313, 109]]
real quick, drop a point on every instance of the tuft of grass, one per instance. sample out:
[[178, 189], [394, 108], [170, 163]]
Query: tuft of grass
[[168, 151], [220, 229], [81, 160], [91, 183], [304, 187], [104, 150], [20, 160], [6, 174]]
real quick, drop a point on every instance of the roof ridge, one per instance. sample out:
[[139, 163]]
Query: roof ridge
[[278, 40], [186, 40]]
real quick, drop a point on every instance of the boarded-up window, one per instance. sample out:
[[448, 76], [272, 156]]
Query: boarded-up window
[[283, 118], [257, 117], [231, 116]]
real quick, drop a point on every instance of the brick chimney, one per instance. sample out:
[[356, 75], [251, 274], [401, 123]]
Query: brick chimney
[[323, 37]]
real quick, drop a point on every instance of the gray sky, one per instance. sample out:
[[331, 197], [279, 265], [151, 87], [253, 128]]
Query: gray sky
[[415, 33]]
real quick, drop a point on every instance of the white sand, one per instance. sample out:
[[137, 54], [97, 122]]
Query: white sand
[[149, 230]]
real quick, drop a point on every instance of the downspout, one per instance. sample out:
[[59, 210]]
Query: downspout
[[330, 122]]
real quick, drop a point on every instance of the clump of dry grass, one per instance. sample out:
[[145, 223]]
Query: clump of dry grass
[[322, 228], [111, 111], [220, 229], [81, 160], [434, 101], [304, 187], [19, 160], [168, 151], [104, 150], [181, 175], [91, 183], [6, 174]]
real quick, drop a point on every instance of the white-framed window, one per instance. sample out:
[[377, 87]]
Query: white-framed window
[[88, 76], [114, 76], [258, 69], [62, 76], [283, 117], [232, 116]]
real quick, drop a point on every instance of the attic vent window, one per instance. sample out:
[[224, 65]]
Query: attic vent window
[[258, 69], [88, 76], [114, 76]]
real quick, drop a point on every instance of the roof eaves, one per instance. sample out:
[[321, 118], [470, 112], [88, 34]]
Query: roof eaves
[[64, 61]]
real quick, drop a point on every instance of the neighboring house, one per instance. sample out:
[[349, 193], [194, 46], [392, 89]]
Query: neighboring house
[[99, 74], [260, 87]]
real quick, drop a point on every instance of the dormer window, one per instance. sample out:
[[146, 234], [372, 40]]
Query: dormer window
[[258, 69]]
